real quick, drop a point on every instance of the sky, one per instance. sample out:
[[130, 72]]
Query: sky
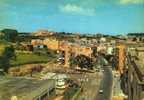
[[83, 16]]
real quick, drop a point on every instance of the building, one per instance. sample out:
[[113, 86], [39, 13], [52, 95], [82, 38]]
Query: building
[[70, 50], [50, 43], [64, 47], [26, 89], [135, 82], [137, 37], [121, 57], [43, 33]]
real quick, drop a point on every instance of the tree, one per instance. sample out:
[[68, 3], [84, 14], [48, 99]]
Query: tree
[[1, 35], [72, 60], [4, 63], [84, 61], [134, 39], [94, 53], [10, 35], [9, 52], [7, 55]]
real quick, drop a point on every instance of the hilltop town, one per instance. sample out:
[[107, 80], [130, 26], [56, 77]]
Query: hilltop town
[[47, 65]]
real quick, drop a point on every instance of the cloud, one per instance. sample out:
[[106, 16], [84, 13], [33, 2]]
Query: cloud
[[75, 9], [131, 1]]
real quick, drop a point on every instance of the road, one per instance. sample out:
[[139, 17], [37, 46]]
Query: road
[[90, 86], [106, 85]]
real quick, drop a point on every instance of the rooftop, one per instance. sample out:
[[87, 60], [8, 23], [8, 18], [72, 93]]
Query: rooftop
[[24, 89]]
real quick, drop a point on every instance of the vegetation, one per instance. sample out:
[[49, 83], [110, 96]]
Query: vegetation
[[25, 70], [72, 61], [10, 35], [70, 92], [3, 44], [10, 42], [82, 61], [6, 56], [135, 34], [24, 58]]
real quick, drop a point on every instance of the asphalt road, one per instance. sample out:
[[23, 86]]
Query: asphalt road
[[90, 86], [106, 85]]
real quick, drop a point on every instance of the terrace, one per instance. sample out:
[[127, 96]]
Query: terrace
[[24, 89]]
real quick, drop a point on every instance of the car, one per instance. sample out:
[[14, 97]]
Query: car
[[100, 91], [102, 70], [61, 58], [60, 84]]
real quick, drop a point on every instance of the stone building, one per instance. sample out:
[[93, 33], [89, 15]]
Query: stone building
[[135, 63], [43, 33], [50, 43]]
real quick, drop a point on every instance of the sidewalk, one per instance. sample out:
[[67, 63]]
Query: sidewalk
[[117, 93]]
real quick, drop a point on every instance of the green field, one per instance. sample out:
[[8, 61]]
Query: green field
[[26, 58], [22, 58]]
